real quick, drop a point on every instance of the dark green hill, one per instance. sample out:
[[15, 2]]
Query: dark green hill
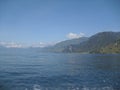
[[111, 48]]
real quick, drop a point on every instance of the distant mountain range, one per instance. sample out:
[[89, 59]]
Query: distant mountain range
[[96, 43], [103, 42], [59, 47]]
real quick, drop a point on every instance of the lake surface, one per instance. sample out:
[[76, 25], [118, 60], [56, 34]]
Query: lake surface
[[33, 70]]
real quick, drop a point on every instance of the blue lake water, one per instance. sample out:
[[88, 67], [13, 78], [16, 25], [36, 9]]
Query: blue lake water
[[33, 70]]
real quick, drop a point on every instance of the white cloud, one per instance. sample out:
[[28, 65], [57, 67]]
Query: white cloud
[[23, 45], [11, 45], [42, 44], [74, 35]]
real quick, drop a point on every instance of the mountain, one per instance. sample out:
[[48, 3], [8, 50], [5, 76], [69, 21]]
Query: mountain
[[59, 47], [111, 48], [94, 43], [103, 42]]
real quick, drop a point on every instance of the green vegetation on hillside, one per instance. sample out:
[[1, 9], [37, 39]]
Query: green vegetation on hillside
[[112, 48]]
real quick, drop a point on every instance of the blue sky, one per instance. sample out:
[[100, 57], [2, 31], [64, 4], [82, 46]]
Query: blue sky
[[30, 21]]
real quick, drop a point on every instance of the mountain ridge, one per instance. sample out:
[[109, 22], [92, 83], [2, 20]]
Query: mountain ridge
[[95, 42], [102, 42], [59, 47]]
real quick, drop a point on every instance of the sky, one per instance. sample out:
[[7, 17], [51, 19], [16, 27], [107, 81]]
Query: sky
[[49, 21]]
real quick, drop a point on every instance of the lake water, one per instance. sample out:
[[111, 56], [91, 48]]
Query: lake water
[[33, 70]]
